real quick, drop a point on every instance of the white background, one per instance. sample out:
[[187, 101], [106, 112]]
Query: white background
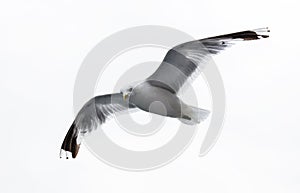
[[43, 43]]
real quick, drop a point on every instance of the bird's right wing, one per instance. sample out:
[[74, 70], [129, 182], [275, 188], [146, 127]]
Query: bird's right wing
[[94, 113], [188, 59]]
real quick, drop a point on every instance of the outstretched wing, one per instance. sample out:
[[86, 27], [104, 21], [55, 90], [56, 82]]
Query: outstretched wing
[[95, 112], [188, 59]]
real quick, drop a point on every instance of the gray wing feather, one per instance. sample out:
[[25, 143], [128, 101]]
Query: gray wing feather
[[187, 60], [97, 110], [94, 113]]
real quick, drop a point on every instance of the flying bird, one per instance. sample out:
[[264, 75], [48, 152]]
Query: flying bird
[[158, 93]]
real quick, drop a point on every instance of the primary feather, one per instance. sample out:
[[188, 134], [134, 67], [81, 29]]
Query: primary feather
[[94, 113], [186, 60]]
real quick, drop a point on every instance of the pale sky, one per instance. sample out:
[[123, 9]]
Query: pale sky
[[43, 44]]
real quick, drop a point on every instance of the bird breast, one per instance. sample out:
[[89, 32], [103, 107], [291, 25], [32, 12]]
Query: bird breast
[[156, 100]]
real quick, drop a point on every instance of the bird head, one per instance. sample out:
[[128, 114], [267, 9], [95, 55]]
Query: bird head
[[126, 92]]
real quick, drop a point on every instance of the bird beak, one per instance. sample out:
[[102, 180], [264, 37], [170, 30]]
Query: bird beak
[[125, 96]]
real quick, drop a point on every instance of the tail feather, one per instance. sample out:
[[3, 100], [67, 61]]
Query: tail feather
[[70, 142], [193, 115]]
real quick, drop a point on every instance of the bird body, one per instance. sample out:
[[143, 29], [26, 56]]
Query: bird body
[[160, 101]]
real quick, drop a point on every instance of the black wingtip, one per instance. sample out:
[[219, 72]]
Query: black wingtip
[[75, 149], [245, 35], [70, 142], [262, 32], [265, 36]]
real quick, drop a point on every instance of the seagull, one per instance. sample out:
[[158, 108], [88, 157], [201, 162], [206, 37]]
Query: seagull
[[158, 93]]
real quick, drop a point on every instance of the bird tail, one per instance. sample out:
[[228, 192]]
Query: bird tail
[[193, 115], [71, 142], [245, 35]]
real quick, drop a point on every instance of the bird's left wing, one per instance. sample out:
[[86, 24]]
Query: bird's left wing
[[94, 113], [188, 59]]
